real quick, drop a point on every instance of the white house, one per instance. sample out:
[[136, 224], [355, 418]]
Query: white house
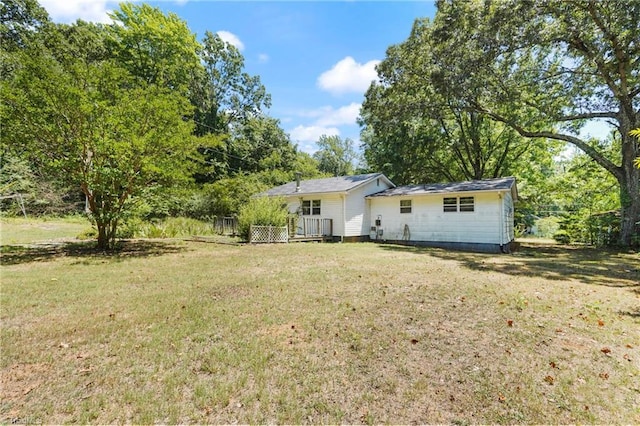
[[334, 206], [474, 215]]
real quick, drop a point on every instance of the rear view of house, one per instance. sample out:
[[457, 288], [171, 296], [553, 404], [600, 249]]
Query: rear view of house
[[332, 207], [474, 215]]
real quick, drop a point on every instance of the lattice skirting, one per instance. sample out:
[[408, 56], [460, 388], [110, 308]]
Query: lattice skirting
[[268, 234]]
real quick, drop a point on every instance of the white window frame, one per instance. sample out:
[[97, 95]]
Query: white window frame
[[311, 207], [405, 206]]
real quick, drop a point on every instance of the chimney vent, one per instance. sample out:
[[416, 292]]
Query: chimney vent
[[298, 175]]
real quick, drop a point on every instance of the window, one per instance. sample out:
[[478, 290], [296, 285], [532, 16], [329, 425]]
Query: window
[[405, 206], [466, 204], [450, 204], [462, 204], [310, 207]]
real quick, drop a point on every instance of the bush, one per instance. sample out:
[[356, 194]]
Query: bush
[[562, 237], [263, 211], [547, 226]]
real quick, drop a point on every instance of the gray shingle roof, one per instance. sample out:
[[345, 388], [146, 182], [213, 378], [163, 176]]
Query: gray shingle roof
[[498, 184], [315, 186]]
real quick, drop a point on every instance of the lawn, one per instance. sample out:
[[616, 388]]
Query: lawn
[[191, 332]]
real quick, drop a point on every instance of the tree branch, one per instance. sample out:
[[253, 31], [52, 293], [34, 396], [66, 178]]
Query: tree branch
[[588, 149], [587, 115]]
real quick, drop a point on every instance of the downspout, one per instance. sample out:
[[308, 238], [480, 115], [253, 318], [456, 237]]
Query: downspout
[[501, 222], [344, 217]]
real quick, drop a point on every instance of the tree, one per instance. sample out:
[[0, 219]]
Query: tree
[[157, 48], [19, 21], [414, 134], [545, 68], [223, 93], [636, 133], [335, 156], [80, 114]]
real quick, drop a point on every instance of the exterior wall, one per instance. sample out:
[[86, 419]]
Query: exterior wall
[[507, 212], [428, 222], [357, 211], [330, 207]]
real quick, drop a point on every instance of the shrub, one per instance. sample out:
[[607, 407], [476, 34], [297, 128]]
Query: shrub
[[263, 211], [547, 226], [562, 237]]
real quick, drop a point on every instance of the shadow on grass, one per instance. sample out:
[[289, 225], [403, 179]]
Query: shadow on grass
[[18, 254], [589, 265]]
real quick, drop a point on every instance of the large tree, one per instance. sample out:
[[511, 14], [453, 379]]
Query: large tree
[[335, 156], [78, 112], [414, 134], [545, 68]]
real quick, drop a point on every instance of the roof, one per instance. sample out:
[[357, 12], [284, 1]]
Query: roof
[[484, 185], [317, 186]]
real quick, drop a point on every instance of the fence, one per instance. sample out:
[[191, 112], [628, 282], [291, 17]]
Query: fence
[[268, 234], [225, 225]]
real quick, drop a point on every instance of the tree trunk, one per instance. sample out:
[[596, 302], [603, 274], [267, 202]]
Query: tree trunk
[[629, 178], [629, 193], [103, 236]]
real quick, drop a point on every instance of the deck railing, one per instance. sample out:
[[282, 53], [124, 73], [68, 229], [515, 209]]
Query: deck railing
[[310, 227]]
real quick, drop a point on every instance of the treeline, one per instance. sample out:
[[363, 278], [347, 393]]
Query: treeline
[[140, 120], [136, 118], [495, 88]]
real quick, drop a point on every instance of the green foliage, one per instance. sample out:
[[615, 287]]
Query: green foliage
[[335, 156], [88, 120], [562, 236], [547, 226], [415, 134], [262, 211], [545, 69], [158, 49], [19, 21], [636, 134], [227, 196], [223, 93]]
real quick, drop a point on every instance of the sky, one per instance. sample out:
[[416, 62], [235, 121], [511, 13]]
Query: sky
[[315, 58]]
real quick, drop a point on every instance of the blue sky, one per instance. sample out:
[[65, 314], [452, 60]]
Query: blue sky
[[315, 58]]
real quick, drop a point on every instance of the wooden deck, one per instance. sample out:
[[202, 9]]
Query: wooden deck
[[310, 229]]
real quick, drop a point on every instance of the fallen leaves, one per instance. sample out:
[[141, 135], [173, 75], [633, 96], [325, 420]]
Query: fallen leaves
[[605, 350], [510, 323], [549, 380]]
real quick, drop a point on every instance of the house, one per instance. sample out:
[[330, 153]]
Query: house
[[474, 215], [332, 207]]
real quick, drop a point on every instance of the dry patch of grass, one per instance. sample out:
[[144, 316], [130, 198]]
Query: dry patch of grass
[[17, 230], [321, 333]]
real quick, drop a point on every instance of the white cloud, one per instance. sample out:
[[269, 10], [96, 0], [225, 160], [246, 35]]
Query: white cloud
[[231, 38], [71, 10], [263, 58], [312, 133], [348, 76], [327, 116]]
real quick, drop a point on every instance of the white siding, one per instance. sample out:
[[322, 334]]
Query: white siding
[[507, 206], [330, 208], [358, 214], [428, 222]]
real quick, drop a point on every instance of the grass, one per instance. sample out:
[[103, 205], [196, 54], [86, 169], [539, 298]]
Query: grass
[[189, 332], [18, 230]]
